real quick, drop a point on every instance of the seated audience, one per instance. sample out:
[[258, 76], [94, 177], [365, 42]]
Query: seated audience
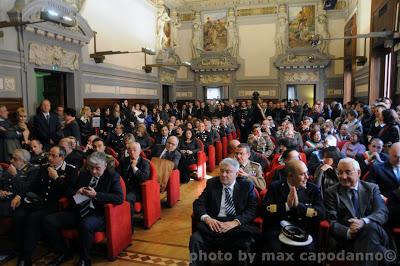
[[143, 138], [343, 133], [315, 142], [353, 125], [390, 133], [99, 146], [73, 157], [116, 140], [42, 199], [374, 155], [353, 147], [326, 174], [249, 170], [188, 147], [225, 226], [98, 187], [71, 127], [259, 142], [9, 136], [356, 213], [293, 200], [15, 181], [38, 156], [134, 170], [387, 176], [204, 136], [163, 136]]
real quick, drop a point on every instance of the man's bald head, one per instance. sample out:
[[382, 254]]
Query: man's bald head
[[394, 154], [297, 173], [233, 145]]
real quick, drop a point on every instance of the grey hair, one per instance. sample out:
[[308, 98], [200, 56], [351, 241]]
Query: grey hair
[[24, 154], [177, 140], [232, 162], [356, 165], [97, 158]]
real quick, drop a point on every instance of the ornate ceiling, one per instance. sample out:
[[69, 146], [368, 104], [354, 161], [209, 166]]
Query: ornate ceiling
[[190, 5]]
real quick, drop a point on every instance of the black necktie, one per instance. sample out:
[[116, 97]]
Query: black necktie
[[85, 207], [47, 118], [354, 199], [229, 206]]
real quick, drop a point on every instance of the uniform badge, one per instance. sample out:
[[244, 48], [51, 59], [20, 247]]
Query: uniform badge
[[272, 208], [311, 212]]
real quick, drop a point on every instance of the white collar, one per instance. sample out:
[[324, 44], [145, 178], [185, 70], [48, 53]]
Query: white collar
[[231, 186]]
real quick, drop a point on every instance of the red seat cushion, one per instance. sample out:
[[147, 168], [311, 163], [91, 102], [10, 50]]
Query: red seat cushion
[[192, 167], [396, 230], [324, 224]]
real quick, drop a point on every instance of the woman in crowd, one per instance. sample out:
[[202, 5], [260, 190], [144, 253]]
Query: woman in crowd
[[315, 142], [326, 174], [152, 130], [390, 133], [353, 147], [85, 124], [143, 138], [188, 147], [22, 127], [343, 133]]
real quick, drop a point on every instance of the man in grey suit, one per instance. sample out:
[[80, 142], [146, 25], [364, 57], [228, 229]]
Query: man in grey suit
[[168, 151], [356, 213]]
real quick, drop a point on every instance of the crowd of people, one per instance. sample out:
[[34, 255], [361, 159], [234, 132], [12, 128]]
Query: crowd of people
[[288, 162]]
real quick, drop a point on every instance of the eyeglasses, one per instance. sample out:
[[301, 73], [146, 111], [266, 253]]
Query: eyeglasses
[[375, 146], [171, 143], [347, 172]]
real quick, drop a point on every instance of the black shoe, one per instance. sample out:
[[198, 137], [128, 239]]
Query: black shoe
[[82, 262], [24, 262], [60, 260]]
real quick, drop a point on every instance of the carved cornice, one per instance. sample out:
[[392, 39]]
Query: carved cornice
[[215, 62], [301, 60]]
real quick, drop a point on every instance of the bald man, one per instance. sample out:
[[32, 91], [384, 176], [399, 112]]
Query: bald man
[[294, 200], [134, 170], [387, 176]]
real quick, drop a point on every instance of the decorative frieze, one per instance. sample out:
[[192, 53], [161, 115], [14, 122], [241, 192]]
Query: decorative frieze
[[117, 90], [42, 54], [7, 84], [215, 78], [311, 76]]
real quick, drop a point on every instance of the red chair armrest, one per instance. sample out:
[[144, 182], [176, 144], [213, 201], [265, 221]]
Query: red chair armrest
[[63, 203], [173, 188], [151, 204], [324, 224], [259, 221], [118, 228]]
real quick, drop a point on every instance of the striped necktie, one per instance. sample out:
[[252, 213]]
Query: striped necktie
[[229, 206], [87, 205]]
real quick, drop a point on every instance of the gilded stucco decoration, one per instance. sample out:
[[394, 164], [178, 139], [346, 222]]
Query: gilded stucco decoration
[[167, 77], [301, 76], [41, 54], [215, 78]]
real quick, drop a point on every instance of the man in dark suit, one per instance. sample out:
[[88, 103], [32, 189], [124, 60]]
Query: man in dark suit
[[134, 171], [224, 211], [294, 200], [46, 126], [73, 157], [387, 177], [169, 151], [356, 213], [163, 136], [99, 187], [71, 126], [49, 185]]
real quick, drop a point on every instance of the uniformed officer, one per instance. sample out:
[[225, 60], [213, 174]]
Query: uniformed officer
[[15, 181], [39, 157], [73, 157], [204, 136], [259, 142], [293, 200], [47, 188], [116, 140], [243, 122], [248, 169]]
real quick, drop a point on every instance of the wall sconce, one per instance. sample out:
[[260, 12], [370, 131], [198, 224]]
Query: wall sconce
[[148, 68], [56, 17], [100, 56]]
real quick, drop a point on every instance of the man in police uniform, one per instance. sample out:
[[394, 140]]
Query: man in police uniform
[[39, 157], [49, 186], [294, 200], [248, 169], [15, 181], [204, 136]]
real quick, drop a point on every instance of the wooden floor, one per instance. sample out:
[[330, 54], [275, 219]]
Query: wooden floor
[[166, 243]]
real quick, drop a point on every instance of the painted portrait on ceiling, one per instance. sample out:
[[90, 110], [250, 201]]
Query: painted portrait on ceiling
[[301, 25], [214, 31]]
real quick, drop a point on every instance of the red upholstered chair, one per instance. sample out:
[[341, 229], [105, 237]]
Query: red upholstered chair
[[224, 141], [111, 152], [4, 166], [210, 157], [340, 144], [218, 151], [270, 175], [234, 135], [230, 137], [118, 231], [150, 204], [237, 133], [173, 188], [201, 165]]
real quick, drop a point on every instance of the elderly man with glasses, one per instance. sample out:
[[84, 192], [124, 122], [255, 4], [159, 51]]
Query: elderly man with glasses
[[356, 212]]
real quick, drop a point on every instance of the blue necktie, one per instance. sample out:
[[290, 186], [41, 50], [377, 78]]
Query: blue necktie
[[354, 199], [229, 206], [397, 173], [163, 140]]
